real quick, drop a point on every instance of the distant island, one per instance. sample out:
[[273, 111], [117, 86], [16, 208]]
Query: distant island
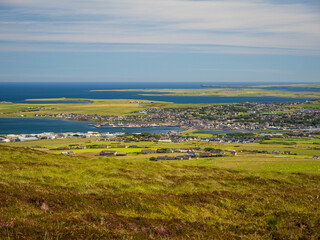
[[225, 91], [316, 86]]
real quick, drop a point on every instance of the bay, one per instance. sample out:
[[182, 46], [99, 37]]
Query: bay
[[19, 92], [38, 125]]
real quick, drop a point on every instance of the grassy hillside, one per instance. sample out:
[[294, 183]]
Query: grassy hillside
[[47, 196]]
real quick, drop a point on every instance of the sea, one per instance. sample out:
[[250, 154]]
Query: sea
[[38, 125], [18, 92]]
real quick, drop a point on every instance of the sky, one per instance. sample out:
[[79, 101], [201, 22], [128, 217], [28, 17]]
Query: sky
[[274, 41]]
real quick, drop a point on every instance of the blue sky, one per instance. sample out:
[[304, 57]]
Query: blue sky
[[167, 40]]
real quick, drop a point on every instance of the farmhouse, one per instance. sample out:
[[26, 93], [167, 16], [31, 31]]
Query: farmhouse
[[148, 151], [81, 147], [103, 146], [217, 151], [193, 154], [133, 146], [183, 157], [233, 153], [276, 152], [121, 154], [186, 150], [162, 150], [67, 153], [165, 140], [78, 136], [122, 146], [173, 158], [108, 153], [205, 154], [27, 138]]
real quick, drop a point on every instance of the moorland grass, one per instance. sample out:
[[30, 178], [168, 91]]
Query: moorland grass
[[46, 196]]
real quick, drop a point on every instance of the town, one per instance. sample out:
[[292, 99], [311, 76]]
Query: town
[[235, 116]]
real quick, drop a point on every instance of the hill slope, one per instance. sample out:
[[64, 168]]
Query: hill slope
[[45, 196]]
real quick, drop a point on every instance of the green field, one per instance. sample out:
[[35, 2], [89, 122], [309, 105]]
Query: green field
[[100, 107], [251, 196]]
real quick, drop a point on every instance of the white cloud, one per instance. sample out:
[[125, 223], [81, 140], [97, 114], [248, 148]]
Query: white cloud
[[245, 23], [243, 70]]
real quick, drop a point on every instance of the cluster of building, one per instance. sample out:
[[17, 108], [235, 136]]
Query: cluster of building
[[195, 153], [170, 137], [50, 135], [190, 153], [112, 153], [251, 116]]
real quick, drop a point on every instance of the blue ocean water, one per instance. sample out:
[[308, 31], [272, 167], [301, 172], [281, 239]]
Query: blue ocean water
[[19, 92], [36, 125]]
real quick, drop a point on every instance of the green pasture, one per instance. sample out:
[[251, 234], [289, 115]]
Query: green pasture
[[54, 143], [194, 133], [123, 150], [100, 107]]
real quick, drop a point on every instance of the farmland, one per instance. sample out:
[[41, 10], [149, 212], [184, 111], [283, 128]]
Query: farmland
[[91, 107]]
